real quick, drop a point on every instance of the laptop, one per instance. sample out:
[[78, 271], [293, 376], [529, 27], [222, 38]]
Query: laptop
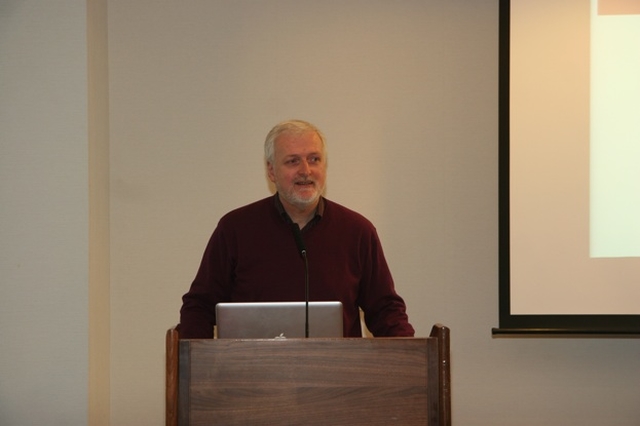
[[271, 320]]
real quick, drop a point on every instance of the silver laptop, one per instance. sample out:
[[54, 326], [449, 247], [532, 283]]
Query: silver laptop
[[270, 320]]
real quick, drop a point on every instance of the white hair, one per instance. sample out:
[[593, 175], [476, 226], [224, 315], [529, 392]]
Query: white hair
[[289, 126]]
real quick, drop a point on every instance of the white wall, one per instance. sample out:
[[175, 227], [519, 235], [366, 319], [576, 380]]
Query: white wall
[[43, 213], [407, 95], [99, 227]]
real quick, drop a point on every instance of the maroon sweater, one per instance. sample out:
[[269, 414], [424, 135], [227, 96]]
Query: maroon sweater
[[252, 257]]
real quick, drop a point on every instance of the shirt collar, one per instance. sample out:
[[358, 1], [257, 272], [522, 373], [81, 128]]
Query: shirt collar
[[283, 212]]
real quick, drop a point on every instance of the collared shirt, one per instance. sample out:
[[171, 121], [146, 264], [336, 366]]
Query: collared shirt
[[317, 216]]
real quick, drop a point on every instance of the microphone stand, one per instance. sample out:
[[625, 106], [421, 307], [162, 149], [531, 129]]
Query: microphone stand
[[303, 251], [306, 293]]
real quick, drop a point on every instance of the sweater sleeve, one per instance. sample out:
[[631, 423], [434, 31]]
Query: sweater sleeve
[[385, 311], [210, 286]]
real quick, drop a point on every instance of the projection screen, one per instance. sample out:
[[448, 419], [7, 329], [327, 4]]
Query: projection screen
[[569, 166]]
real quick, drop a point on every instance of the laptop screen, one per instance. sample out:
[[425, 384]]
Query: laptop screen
[[269, 320]]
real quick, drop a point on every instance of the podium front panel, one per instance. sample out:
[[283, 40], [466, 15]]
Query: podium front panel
[[360, 381]]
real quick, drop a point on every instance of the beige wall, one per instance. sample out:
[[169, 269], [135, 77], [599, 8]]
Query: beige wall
[[44, 219], [406, 93], [99, 226]]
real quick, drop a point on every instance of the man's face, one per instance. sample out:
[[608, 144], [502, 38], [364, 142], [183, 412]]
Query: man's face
[[298, 169]]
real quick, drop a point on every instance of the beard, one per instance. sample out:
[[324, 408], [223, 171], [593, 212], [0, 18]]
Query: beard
[[301, 199]]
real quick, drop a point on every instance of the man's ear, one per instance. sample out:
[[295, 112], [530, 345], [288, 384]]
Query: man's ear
[[272, 176]]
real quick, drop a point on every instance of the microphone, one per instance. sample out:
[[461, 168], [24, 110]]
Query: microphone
[[303, 252], [299, 242]]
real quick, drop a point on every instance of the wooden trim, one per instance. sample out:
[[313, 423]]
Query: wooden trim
[[442, 334], [171, 403]]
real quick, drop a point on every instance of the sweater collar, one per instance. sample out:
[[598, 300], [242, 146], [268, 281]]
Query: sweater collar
[[285, 215]]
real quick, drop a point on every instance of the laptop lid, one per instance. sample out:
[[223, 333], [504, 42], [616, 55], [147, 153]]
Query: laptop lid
[[268, 320]]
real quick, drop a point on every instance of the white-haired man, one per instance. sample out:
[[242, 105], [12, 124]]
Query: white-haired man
[[252, 255]]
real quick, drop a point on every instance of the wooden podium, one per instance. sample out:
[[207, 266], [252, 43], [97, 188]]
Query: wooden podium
[[351, 381]]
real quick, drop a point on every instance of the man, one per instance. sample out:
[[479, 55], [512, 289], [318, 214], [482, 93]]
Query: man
[[252, 255]]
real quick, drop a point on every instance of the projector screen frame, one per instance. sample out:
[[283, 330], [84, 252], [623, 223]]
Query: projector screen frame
[[533, 324]]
